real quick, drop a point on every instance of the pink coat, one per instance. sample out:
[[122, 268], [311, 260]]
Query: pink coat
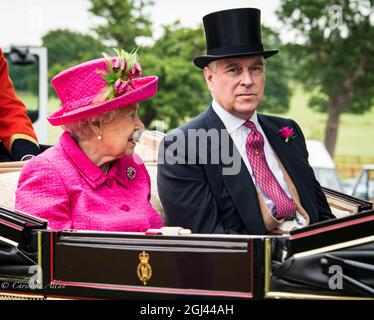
[[64, 187]]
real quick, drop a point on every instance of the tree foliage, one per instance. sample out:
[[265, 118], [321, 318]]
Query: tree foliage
[[277, 91], [182, 92], [68, 48], [336, 58], [122, 21]]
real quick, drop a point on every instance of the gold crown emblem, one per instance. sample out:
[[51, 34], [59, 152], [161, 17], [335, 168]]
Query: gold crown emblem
[[144, 269], [143, 257]]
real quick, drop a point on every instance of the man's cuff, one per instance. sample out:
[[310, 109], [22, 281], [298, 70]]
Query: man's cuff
[[22, 147]]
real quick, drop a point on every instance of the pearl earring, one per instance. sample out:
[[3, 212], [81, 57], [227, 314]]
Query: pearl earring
[[100, 136]]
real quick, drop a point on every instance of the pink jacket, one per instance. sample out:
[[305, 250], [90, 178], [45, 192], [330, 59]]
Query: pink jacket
[[64, 187]]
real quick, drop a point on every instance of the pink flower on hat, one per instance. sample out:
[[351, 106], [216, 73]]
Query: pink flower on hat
[[123, 65], [287, 133], [117, 85], [121, 87], [136, 71], [98, 86], [120, 73], [116, 64], [119, 62]]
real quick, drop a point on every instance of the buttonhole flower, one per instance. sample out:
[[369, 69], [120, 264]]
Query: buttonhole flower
[[287, 133]]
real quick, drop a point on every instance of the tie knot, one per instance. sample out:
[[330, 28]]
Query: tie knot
[[249, 124]]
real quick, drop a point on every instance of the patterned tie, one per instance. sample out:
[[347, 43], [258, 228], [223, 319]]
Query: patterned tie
[[284, 206]]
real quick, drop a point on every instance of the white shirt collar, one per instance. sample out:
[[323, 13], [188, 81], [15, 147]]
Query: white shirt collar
[[232, 122]]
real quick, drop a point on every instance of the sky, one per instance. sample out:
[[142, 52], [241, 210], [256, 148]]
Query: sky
[[24, 22]]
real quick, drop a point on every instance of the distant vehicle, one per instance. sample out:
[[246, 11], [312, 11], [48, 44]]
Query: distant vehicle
[[348, 185], [323, 166], [364, 187], [29, 72]]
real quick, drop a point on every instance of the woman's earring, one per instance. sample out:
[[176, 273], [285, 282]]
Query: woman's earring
[[100, 136], [97, 124]]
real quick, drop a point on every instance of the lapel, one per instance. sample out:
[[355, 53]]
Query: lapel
[[239, 185], [294, 164]]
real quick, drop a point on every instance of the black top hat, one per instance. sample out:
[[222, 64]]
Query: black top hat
[[230, 33]]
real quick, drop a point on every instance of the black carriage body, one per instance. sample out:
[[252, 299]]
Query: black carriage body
[[101, 265]]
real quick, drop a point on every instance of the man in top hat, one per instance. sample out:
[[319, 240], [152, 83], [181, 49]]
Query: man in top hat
[[231, 169]]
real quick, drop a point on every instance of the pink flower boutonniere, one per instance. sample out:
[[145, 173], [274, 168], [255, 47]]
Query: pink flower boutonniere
[[287, 133]]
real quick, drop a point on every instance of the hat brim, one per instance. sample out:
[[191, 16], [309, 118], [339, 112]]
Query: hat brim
[[203, 61], [146, 88]]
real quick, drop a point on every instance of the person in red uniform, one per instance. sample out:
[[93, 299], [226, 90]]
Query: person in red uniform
[[18, 141]]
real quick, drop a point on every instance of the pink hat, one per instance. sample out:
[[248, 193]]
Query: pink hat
[[99, 86]]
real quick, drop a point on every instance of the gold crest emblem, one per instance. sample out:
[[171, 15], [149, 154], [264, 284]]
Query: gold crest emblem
[[144, 269]]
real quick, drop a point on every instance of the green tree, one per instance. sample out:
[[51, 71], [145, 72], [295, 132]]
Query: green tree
[[336, 59], [122, 21], [277, 92], [182, 92], [67, 48]]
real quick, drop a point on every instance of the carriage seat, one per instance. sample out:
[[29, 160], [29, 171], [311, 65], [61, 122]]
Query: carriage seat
[[146, 148]]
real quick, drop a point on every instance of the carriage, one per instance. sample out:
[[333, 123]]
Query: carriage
[[328, 260]]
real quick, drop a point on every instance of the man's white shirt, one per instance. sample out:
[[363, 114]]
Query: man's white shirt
[[239, 133]]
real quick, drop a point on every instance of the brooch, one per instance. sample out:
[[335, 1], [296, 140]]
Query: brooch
[[131, 173]]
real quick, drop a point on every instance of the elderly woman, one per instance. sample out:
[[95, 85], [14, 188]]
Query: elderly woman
[[91, 179]]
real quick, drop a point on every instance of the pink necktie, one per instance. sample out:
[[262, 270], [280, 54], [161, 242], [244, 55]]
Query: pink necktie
[[284, 206]]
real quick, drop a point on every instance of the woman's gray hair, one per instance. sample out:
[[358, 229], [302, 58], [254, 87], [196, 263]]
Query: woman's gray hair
[[80, 129]]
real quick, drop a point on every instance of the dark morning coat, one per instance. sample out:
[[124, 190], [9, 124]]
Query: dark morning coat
[[201, 198]]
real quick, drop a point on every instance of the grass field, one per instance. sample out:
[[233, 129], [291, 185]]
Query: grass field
[[53, 132], [355, 138], [29, 99], [356, 132]]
